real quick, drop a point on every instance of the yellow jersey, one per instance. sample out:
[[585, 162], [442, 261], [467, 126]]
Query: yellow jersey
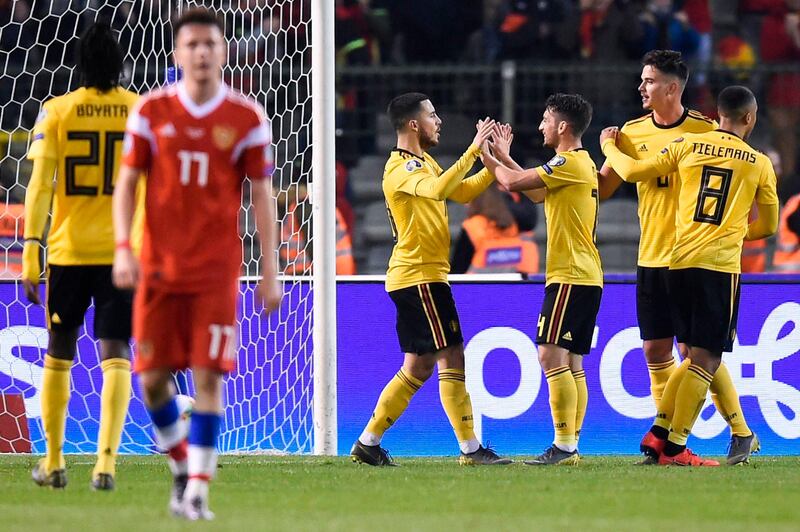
[[416, 189], [643, 138], [720, 177], [83, 132], [571, 208]]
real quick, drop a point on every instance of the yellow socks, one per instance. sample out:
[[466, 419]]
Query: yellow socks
[[456, 402], [666, 407], [659, 375], [563, 406], [726, 399], [392, 402], [114, 407], [583, 399], [55, 396], [688, 403]]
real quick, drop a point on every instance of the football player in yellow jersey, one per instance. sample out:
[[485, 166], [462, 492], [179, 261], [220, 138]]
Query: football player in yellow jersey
[[78, 139], [574, 276], [428, 328], [664, 76], [720, 177]]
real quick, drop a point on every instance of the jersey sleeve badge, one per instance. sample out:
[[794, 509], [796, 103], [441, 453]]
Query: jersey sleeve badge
[[558, 160], [413, 165]]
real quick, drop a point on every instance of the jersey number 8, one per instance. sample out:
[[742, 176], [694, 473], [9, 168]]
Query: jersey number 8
[[712, 198]]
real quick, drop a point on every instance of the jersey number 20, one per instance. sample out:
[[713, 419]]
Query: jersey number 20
[[72, 162]]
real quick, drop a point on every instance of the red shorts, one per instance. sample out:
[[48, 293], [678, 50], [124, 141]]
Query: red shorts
[[177, 331]]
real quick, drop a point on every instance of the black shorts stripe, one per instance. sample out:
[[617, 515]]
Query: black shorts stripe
[[562, 312], [555, 317], [437, 322], [430, 314]]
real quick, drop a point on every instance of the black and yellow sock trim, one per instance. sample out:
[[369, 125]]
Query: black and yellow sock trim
[[660, 365], [452, 375], [700, 372], [115, 363], [408, 381], [57, 364], [555, 372], [579, 374]]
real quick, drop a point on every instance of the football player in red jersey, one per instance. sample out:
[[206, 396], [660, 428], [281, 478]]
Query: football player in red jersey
[[196, 141]]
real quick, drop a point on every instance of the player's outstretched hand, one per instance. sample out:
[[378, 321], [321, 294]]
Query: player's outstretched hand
[[31, 270], [125, 272], [609, 133], [269, 289], [502, 139], [485, 128]]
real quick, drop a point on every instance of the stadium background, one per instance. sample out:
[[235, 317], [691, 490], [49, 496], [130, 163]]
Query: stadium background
[[473, 58]]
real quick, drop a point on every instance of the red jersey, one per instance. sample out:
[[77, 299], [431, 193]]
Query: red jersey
[[196, 158]]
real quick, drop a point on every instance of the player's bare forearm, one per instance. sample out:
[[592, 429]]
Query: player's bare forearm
[[513, 180], [123, 202], [536, 195], [38, 197], [626, 167], [608, 182], [519, 180], [266, 228], [506, 160], [265, 224], [765, 224], [472, 187], [125, 271]]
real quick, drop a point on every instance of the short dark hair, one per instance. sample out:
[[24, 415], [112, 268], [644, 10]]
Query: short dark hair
[[669, 62], [404, 107], [735, 101], [197, 15], [573, 109], [99, 58]]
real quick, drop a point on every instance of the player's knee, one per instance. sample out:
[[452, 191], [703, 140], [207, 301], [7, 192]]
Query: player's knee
[[156, 387], [207, 384], [707, 360], [656, 351], [452, 357], [63, 344], [114, 349], [552, 356]]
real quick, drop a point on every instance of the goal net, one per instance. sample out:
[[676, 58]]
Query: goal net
[[269, 397]]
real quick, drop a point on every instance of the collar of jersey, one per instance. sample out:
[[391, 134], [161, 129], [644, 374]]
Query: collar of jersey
[[409, 152], [720, 130], [674, 124], [199, 111]]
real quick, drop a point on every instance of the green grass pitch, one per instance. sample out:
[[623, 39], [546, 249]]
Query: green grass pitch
[[253, 493]]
